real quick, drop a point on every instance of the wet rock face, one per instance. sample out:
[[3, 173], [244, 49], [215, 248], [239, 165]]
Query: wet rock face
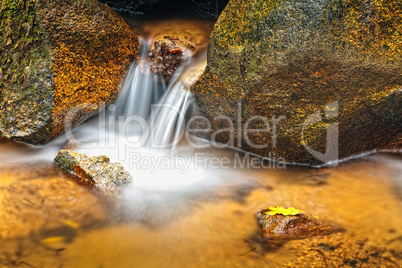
[[96, 171], [167, 54], [174, 42], [280, 225], [320, 66], [59, 61]]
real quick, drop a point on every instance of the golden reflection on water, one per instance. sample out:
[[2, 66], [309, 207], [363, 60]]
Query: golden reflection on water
[[213, 231]]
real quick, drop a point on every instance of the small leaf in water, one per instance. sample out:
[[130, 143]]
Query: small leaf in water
[[283, 211], [53, 239], [71, 224]]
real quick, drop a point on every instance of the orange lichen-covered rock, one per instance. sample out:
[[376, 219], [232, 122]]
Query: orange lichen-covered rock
[[314, 81], [59, 61]]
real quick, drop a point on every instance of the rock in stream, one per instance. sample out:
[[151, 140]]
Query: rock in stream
[[173, 42], [96, 171], [283, 224]]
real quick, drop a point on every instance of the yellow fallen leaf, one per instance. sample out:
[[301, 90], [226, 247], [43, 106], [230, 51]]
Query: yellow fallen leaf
[[283, 211], [53, 239], [71, 224]]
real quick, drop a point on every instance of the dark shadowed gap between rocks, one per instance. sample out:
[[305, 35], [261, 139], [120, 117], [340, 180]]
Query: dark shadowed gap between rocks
[[159, 9]]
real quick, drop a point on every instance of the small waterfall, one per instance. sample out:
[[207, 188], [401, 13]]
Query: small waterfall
[[175, 108], [168, 118], [140, 89], [141, 130], [145, 123], [163, 106], [144, 99], [147, 113]]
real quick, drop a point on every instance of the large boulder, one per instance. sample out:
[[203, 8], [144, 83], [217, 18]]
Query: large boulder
[[60, 60], [323, 77]]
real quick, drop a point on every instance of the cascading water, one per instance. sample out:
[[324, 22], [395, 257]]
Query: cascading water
[[147, 109], [169, 116], [118, 124], [146, 122], [141, 130], [140, 89]]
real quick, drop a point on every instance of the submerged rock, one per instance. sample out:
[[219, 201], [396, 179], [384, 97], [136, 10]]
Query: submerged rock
[[39, 197], [281, 224], [342, 250], [96, 171], [323, 78], [60, 60]]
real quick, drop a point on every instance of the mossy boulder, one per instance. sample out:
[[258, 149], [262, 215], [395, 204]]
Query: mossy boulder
[[60, 60], [301, 69], [96, 171]]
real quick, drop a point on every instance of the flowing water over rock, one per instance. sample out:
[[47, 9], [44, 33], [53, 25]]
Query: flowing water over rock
[[191, 204]]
